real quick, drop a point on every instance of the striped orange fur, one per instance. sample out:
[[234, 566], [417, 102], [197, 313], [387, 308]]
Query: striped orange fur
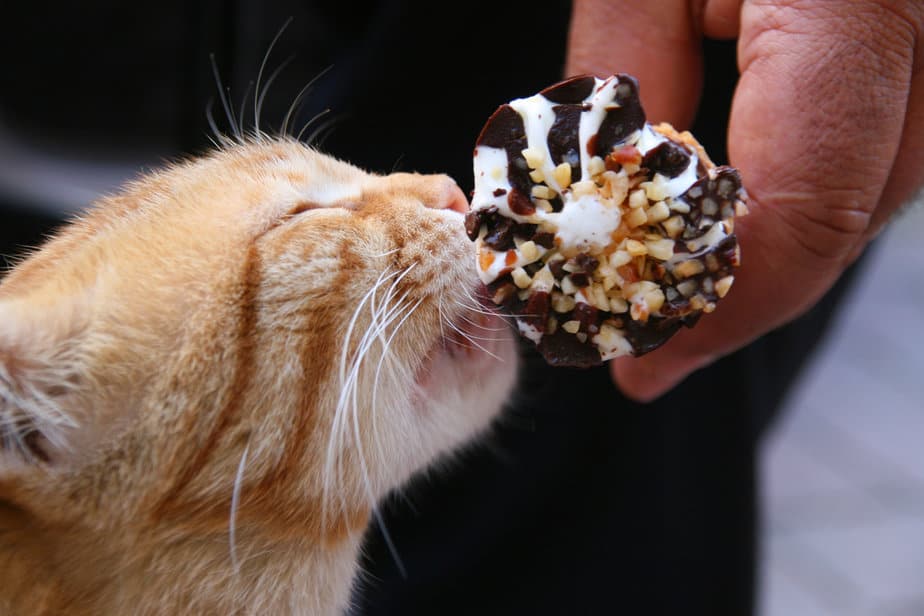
[[208, 380]]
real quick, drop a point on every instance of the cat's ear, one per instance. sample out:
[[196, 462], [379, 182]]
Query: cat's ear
[[37, 380]]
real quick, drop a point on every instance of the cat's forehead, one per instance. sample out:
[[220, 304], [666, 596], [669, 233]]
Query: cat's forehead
[[302, 173]]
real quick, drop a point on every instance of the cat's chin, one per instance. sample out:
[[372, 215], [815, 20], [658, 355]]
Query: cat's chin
[[467, 376]]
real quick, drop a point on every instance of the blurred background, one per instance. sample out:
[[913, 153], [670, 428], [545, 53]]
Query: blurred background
[[842, 467]]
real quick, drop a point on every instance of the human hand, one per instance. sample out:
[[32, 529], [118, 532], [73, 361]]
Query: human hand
[[826, 127]]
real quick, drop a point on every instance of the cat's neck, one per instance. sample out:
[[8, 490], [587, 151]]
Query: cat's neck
[[54, 571]]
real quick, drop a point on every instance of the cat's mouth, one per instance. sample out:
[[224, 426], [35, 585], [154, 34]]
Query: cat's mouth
[[477, 329], [473, 339]]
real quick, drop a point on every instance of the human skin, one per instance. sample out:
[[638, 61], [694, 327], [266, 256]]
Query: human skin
[[826, 127]]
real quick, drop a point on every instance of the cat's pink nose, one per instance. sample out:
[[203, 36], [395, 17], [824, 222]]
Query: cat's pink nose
[[452, 197]]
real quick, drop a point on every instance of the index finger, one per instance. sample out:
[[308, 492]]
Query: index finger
[[657, 42]]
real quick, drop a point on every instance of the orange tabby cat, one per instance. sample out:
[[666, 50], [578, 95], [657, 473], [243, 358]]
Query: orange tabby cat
[[208, 380]]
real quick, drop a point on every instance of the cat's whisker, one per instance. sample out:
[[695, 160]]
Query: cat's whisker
[[392, 315], [240, 122], [441, 317], [317, 116], [212, 125], [224, 99], [262, 95], [387, 253], [316, 139], [295, 106], [39, 413], [258, 94], [235, 503], [349, 384], [468, 337], [476, 306], [480, 325]]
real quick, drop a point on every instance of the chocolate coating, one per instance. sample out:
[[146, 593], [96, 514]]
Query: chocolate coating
[[573, 90]]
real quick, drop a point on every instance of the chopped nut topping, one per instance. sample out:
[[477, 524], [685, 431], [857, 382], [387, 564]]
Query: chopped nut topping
[[520, 277], [654, 299], [636, 218], [543, 192], [639, 311], [637, 198], [529, 251], [562, 175], [596, 166], [619, 258], [636, 249], [537, 176], [662, 249], [698, 302], [656, 189], [571, 327], [687, 288], [688, 268], [562, 303], [543, 280], [534, 157], [631, 168], [658, 212], [618, 305], [674, 226], [584, 188], [723, 285]]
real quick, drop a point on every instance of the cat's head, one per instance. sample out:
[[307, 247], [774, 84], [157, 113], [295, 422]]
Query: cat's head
[[263, 325]]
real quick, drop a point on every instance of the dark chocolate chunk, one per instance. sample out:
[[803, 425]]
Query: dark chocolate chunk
[[586, 315], [504, 294], [500, 234], [524, 230], [504, 126], [563, 140], [573, 90], [557, 268], [586, 262], [544, 239], [565, 350], [520, 203], [580, 279], [646, 337], [622, 121], [473, 222], [500, 192], [505, 129], [667, 158], [536, 312]]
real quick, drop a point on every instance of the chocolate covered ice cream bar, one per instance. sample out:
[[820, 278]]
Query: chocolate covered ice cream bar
[[598, 232]]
